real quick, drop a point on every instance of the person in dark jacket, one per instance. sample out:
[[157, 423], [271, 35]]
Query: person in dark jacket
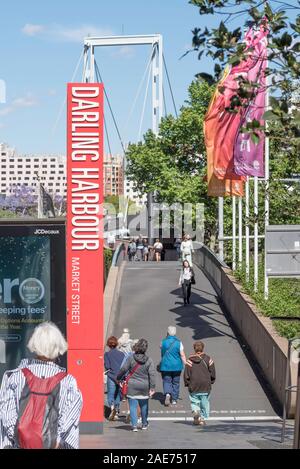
[[186, 280], [141, 384], [199, 379], [112, 362]]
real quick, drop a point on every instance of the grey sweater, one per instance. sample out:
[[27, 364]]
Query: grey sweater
[[143, 378]]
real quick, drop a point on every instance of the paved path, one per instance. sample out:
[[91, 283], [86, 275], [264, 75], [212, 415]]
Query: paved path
[[182, 435], [150, 301]]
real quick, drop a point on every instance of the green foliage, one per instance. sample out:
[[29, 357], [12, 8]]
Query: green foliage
[[173, 165], [225, 45], [284, 300], [7, 214], [111, 203], [108, 255]]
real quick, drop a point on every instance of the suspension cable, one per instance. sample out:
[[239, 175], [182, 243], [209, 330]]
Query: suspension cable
[[138, 92], [144, 106], [170, 86], [99, 77], [63, 105]]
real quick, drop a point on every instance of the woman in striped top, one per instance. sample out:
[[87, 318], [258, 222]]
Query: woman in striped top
[[47, 343]]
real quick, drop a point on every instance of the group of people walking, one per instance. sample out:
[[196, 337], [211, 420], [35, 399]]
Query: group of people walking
[[132, 376], [127, 364], [140, 250]]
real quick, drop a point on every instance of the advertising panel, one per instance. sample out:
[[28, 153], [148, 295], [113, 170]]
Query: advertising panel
[[30, 292]]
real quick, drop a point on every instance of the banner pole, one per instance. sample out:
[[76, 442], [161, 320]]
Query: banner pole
[[221, 229], [255, 233], [267, 184], [247, 230], [240, 232], [233, 233]]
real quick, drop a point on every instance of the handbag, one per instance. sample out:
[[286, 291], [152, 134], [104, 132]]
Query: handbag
[[124, 384], [158, 368]]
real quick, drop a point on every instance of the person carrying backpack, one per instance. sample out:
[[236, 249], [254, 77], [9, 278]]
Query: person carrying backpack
[[199, 379], [40, 404]]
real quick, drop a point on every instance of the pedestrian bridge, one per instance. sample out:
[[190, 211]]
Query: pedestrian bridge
[[147, 301]]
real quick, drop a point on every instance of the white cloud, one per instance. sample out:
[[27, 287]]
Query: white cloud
[[26, 101], [32, 29], [78, 34], [60, 33]]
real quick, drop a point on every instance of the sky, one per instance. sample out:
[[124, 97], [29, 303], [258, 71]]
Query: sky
[[41, 44]]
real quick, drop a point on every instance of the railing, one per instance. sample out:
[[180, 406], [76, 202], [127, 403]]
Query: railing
[[269, 350], [208, 261], [118, 256]]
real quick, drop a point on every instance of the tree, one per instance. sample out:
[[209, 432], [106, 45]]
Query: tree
[[224, 44], [21, 200], [173, 165]]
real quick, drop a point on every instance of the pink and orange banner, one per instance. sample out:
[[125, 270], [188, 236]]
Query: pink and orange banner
[[212, 130], [232, 155], [249, 156]]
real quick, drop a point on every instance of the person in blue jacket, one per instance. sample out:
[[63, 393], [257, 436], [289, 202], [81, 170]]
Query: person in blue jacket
[[113, 361], [173, 361]]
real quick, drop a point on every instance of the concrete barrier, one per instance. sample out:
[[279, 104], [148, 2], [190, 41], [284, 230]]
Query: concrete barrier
[[267, 347]]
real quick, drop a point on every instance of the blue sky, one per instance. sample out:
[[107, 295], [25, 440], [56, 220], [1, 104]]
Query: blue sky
[[41, 42]]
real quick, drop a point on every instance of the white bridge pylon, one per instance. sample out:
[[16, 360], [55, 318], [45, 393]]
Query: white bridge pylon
[[156, 42]]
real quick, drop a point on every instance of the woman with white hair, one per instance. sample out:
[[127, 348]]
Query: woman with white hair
[[172, 363], [187, 249], [40, 384], [125, 342]]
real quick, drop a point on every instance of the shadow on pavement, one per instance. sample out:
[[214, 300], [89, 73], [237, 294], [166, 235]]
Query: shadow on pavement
[[200, 320], [267, 432]]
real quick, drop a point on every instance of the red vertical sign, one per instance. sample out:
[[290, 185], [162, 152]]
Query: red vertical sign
[[85, 245]]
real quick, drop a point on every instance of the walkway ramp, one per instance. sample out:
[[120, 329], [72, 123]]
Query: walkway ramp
[[150, 301]]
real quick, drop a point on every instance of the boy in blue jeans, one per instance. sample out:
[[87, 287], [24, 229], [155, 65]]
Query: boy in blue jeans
[[199, 379]]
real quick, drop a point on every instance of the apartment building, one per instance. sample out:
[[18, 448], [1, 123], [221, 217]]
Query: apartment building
[[24, 170]]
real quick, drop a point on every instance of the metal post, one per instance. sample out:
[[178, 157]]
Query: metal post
[[160, 85], [247, 233], [92, 65], [297, 416], [240, 205], [157, 112], [267, 187], [287, 383], [233, 233], [85, 64], [39, 200], [221, 228], [255, 233]]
